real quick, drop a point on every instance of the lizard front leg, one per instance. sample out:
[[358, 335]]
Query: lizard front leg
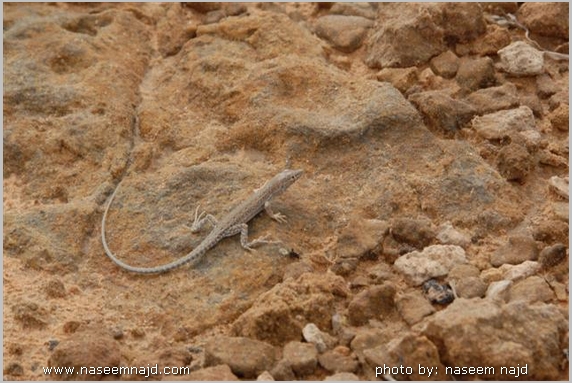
[[201, 219], [276, 216]]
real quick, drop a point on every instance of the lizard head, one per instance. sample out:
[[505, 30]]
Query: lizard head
[[285, 178]]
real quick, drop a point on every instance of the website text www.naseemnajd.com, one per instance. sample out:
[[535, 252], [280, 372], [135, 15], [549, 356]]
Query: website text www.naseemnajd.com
[[144, 371]]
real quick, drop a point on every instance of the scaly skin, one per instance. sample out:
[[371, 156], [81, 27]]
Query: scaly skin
[[233, 223]]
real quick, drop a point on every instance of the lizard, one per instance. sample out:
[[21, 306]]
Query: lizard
[[233, 223]]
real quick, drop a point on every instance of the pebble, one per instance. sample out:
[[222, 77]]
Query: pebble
[[282, 371], [474, 74], [335, 361], [302, 357], [265, 377], [413, 307], [498, 291], [519, 248], [552, 255], [504, 123], [518, 272], [246, 357], [448, 235], [559, 186], [520, 59], [415, 232], [312, 334], [532, 289], [437, 292], [345, 33], [371, 303], [434, 261], [445, 65], [343, 376]]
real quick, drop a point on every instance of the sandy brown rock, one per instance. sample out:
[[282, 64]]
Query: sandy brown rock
[[525, 333], [335, 361], [247, 358], [302, 357], [474, 74], [446, 64], [345, 33], [413, 307], [548, 19], [279, 315], [441, 112], [371, 303], [433, 261], [90, 348], [220, 372], [407, 351], [518, 249], [552, 255], [532, 289], [492, 99]]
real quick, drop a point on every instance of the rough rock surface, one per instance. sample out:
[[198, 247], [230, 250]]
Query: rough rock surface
[[506, 335], [247, 358], [433, 261], [419, 129]]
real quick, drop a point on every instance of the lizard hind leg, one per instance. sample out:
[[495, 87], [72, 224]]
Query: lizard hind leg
[[258, 241]]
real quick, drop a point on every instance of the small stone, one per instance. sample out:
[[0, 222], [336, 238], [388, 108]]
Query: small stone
[[532, 289], [55, 289], [415, 232], [246, 357], [470, 287], [433, 262], [520, 59], [444, 114], [546, 19], [295, 269], [504, 123], [413, 307], [13, 369], [30, 315], [401, 78], [438, 293], [344, 266], [518, 249], [312, 334], [336, 362], [493, 99], [448, 235], [406, 350], [302, 357], [265, 377], [445, 65], [282, 371], [559, 118], [498, 291], [545, 86], [517, 272], [559, 186], [343, 376], [345, 33], [353, 9], [222, 372], [85, 348], [371, 303], [52, 344], [562, 213], [552, 255], [476, 73], [514, 162]]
